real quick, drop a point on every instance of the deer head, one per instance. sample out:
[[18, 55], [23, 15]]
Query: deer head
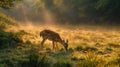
[[65, 44]]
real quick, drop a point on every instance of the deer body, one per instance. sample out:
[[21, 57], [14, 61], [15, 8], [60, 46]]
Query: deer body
[[54, 37]]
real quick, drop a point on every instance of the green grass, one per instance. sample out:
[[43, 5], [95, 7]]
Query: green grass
[[62, 63], [9, 39], [28, 56]]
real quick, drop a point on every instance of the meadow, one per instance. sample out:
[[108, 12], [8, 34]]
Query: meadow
[[92, 29], [89, 46]]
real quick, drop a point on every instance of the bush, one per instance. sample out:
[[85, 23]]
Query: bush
[[9, 39]]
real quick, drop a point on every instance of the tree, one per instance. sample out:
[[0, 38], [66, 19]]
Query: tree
[[7, 4], [109, 9]]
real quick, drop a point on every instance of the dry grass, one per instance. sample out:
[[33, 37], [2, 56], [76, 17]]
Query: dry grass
[[102, 43]]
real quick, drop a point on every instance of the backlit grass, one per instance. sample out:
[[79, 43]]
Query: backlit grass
[[87, 48]]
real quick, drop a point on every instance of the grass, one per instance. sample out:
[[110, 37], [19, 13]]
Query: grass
[[8, 20], [9, 39], [87, 48], [62, 63]]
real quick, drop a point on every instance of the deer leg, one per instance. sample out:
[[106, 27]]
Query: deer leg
[[53, 44], [57, 46], [42, 43]]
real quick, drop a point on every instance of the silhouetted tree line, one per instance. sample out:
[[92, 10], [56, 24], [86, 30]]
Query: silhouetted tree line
[[85, 10], [95, 11]]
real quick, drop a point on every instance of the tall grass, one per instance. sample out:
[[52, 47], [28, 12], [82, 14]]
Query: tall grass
[[62, 63], [9, 39], [85, 47], [114, 62], [35, 60], [7, 20], [91, 60]]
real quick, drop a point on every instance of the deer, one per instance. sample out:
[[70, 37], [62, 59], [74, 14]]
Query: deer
[[54, 37]]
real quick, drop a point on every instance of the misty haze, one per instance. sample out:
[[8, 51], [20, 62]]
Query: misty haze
[[59, 33]]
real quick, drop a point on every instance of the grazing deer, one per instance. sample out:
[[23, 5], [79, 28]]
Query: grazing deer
[[54, 37]]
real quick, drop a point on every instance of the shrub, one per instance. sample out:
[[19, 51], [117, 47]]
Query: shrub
[[9, 39]]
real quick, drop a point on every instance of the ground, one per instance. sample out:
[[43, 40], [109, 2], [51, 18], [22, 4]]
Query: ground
[[89, 46]]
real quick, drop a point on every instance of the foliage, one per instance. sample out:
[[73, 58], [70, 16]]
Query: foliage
[[62, 63], [108, 8], [82, 10], [35, 61], [9, 39], [7, 4], [20, 57], [94, 11]]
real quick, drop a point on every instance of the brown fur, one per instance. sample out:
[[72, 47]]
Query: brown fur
[[52, 36]]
